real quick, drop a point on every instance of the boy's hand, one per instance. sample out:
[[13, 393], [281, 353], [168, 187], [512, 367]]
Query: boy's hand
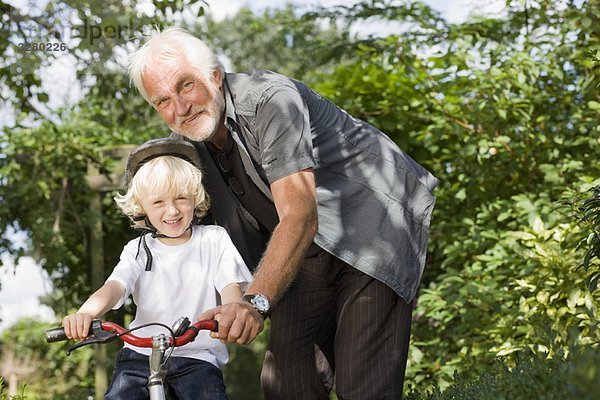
[[77, 326]]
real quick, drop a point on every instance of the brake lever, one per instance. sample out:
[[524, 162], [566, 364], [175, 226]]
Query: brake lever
[[98, 336]]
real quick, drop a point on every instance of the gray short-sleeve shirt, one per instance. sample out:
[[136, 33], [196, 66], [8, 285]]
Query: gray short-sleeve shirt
[[374, 202]]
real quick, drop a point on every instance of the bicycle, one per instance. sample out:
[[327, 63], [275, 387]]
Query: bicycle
[[181, 333]]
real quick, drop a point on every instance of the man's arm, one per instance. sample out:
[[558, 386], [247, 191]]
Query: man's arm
[[296, 203]]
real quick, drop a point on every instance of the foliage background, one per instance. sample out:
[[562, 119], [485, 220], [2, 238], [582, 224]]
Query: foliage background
[[504, 111]]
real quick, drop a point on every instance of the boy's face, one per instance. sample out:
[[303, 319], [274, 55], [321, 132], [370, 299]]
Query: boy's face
[[171, 214]]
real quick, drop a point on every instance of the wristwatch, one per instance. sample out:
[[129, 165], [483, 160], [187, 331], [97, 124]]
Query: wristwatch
[[259, 302]]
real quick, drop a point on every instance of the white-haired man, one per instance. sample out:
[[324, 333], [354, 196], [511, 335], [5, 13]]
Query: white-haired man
[[332, 213]]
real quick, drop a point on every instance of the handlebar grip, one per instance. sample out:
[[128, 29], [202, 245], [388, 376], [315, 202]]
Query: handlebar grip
[[56, 335]]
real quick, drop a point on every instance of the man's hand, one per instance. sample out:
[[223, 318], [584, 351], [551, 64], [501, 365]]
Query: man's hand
[[239, 322]]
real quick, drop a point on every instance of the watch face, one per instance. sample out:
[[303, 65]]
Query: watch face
[[261, 303]]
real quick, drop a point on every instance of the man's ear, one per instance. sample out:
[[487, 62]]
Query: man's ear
[[217, 78]]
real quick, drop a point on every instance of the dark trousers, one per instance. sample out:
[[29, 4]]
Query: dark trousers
[[187, 379], [335, 320]]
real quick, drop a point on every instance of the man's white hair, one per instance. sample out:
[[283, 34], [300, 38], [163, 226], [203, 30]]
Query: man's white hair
[[171, 44]]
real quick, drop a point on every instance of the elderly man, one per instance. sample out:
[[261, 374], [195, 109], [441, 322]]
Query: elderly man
[[332, 213]]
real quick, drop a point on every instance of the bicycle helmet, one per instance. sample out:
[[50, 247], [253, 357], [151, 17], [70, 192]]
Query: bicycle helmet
[[161, 147]]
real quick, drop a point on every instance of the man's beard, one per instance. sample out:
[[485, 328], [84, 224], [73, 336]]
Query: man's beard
[[211, 114]]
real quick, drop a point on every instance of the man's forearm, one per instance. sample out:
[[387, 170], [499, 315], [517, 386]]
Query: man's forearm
[[296, 203], [285, 251]]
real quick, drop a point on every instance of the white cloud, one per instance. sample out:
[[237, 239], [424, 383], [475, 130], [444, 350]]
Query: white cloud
[[21, 287]]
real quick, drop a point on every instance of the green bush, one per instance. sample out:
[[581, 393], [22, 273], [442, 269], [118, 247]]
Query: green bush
[[4, 396], [53, 375], [574, 377], [586, 210]]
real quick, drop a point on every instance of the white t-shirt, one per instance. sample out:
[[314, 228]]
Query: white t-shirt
[[184, 281]]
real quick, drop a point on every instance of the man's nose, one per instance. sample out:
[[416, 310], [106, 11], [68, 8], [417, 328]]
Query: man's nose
[[182, 105]]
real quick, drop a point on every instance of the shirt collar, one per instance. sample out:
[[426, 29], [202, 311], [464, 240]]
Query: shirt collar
[[230, 119]]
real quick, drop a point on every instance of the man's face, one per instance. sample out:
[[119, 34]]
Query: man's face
[[191, 104]]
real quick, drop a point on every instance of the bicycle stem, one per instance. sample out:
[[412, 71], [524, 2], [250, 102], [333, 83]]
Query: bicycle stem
[[160, 344]]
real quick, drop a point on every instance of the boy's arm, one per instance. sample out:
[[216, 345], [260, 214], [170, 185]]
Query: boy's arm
[[77, 325], [231, 293]]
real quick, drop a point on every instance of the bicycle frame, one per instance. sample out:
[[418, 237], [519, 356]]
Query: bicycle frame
[[106, 332]]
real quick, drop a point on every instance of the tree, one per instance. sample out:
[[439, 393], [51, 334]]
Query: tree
[[90, 37], [586, 211], [47, 152], [283, 39], [52, 375], [504, 111]]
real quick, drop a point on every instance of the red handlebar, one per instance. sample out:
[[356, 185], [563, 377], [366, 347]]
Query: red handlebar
[[189, 335], [105, 332]]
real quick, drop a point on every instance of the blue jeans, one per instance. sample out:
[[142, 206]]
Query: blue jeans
[[186, 378]]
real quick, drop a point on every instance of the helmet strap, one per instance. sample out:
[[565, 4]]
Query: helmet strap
[[150, 229]]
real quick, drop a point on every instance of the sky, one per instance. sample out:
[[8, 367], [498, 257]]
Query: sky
[[20, 290], [21, 287], [454, 11]]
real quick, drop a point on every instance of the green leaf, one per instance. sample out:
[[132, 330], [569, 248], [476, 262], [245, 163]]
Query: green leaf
[[594, 105]]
